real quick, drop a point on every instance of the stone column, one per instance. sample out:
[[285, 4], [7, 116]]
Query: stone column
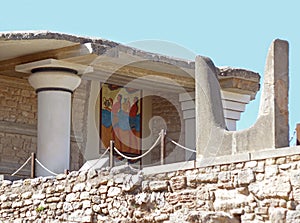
[[54, 83]]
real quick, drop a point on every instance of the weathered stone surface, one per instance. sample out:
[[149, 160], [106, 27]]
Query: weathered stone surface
[[228, 200], [103, 189], [97, 208], [84, 195], [213, 217], [178, 183], [279, 187], [38, 196], [79, 187], [224, 176], [161, 217], [72, 197], [17, 204], [271, 171], [26, 195], [5, 205], [278, 215], [96, 199], [61, 176], [53, 199], [92, 173], [207, 178], [67, 207], [158, 185], [246, 177], [131, 182], [77, 205], [293, 216], [114, 191], [192, 180]]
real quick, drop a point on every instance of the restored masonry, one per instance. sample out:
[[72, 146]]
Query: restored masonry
[[200, 168], [263, 190]]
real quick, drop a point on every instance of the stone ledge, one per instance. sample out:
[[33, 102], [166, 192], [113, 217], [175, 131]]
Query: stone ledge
[[169, 167], [18, 128], [29, 130], [221, 160], [212, 161], [273, 153]]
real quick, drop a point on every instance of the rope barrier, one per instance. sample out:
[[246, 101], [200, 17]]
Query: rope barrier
[[183, 147], [45, 168], [21, 167], [99, 158], [141, 156]]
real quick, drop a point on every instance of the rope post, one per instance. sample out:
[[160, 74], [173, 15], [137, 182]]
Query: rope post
[[111, 153], [32, 173], [162, 147], [298, 134]]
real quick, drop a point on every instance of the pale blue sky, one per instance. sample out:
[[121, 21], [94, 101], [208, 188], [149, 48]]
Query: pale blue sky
[[231, 33]]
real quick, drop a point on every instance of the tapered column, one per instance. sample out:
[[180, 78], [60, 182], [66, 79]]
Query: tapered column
[[54, 83]]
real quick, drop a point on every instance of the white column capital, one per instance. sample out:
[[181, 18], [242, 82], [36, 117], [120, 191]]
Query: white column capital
[[54, 74], [55, 80]]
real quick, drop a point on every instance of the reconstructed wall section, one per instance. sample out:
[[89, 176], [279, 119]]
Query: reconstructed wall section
[[18, 119], [18, 124], [255, 191], [167, 107]]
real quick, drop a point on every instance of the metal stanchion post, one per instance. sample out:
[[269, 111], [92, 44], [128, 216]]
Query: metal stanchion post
[[32, 173], [162, 147], [111, 153]]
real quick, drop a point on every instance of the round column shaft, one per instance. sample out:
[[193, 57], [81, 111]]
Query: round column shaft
[[54, 87]]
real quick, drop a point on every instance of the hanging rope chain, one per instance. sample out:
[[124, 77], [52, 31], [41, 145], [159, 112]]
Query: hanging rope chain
[[181, 146], [21, 167], [45, 168], [99, 159], [141, 156]]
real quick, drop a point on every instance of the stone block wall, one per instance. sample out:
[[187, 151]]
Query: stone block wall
[[80, 107], [18, 119], [250, 192], [167, 106], [18, 101]]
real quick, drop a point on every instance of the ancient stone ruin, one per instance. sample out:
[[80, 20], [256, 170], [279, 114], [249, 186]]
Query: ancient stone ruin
[[202, 169]]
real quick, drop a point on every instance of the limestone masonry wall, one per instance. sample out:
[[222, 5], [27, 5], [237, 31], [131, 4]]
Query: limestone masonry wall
[[254, 191], [167, 106], [18, 118]]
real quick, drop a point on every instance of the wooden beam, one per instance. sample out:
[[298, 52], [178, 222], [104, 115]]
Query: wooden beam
[[7, 67], [147, 75]]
